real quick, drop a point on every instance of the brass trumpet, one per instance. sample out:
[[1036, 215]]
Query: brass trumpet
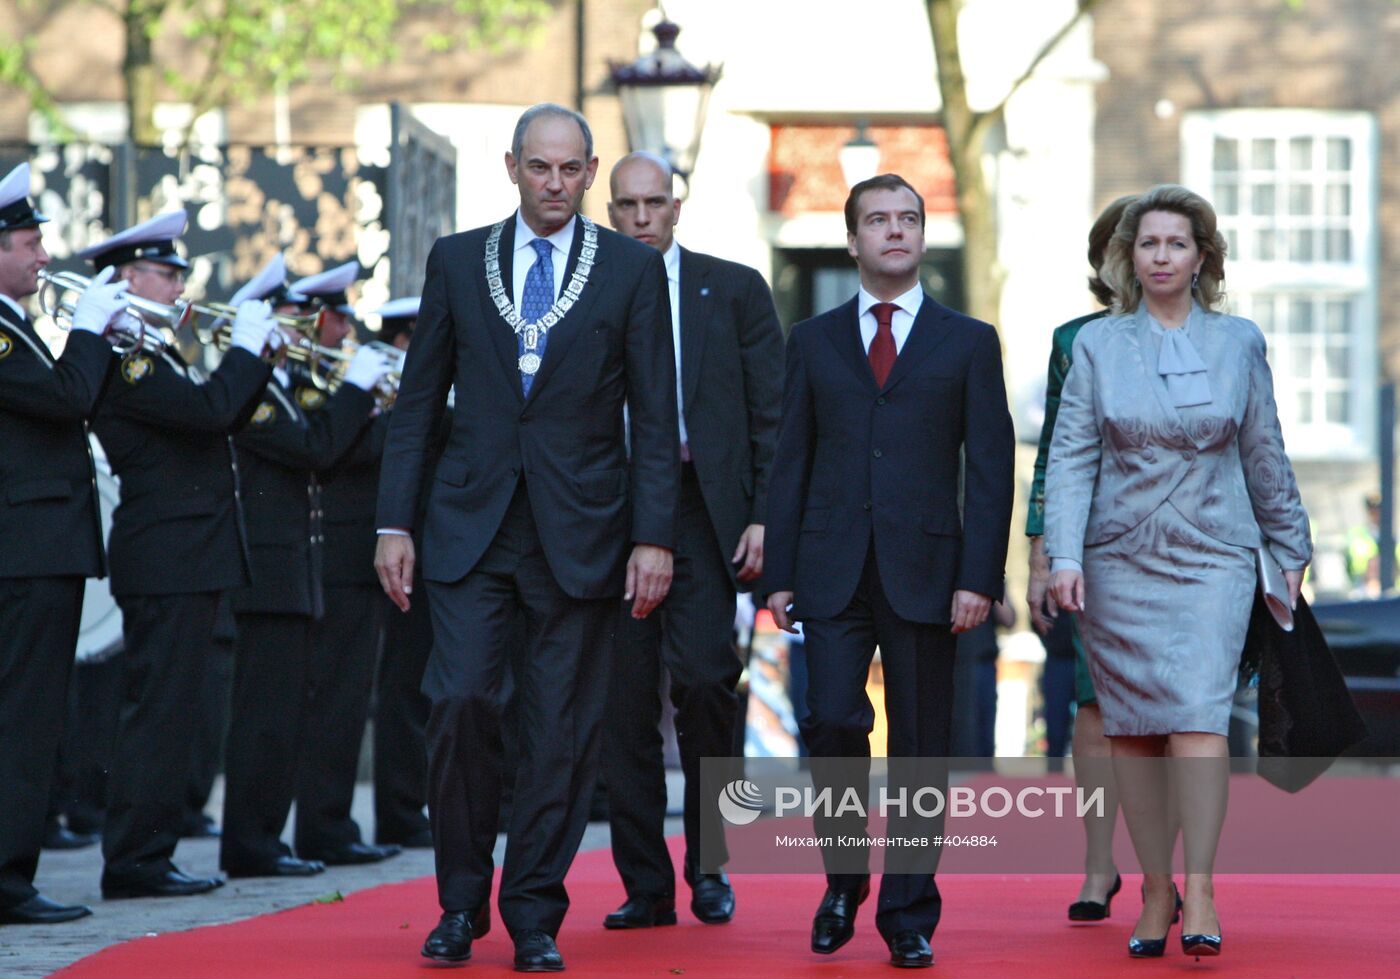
[[59, 293], [387, 390]]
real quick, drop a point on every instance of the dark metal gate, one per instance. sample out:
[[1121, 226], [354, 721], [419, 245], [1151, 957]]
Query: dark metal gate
[[421, 200]]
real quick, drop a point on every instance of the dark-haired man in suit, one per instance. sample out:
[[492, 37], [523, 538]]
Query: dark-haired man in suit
[[546, 325], [729, 347], [865, 541]]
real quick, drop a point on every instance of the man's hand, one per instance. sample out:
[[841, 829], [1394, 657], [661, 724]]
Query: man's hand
[[750, 552], [1039, 598], [648, 578], [969, 610], [393, 562], [1068, 589], [778, 603], [102, 303]]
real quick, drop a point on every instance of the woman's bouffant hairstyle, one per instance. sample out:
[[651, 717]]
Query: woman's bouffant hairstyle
[[1099, 236], [1118, 272]]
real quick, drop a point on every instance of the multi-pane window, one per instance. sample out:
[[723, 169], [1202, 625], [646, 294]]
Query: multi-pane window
[[1294, 191]]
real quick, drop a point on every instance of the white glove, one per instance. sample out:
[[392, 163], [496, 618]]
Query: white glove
[[252, 326], [366, 369], [101, 303]]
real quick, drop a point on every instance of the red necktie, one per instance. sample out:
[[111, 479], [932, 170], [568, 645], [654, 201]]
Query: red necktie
[[882, 352]]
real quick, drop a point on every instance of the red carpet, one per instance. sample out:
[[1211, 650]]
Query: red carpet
[[992, 926]]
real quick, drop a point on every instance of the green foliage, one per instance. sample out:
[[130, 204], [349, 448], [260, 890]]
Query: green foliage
[[16, 74]]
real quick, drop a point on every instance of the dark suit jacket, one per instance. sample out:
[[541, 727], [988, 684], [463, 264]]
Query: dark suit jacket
[[179, 527], [279, 452], [49, 522], [566, 439], [731, 357], [855, 460]]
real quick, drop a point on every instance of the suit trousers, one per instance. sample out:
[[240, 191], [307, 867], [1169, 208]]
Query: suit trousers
[[208, 760], [271, 657], [401, 722], [163, 671], [39, 620], [345, 644], [691, 636], [560, 690], [918, 660]]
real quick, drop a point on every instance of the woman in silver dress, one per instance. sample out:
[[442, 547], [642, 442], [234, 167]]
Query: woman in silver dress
[[1167, 470]]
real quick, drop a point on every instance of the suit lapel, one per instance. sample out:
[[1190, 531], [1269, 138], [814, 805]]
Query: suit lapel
[[845, 336], [930, 327], [694, 295], [566, 331], [498, 330]]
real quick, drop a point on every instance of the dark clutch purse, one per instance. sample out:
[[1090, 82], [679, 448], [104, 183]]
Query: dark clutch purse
[[1306, 715]]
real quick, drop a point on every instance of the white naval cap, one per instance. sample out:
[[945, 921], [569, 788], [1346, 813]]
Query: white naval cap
[[329, 287], [270, 283], [152, 240], [16, 211], [394, 309]]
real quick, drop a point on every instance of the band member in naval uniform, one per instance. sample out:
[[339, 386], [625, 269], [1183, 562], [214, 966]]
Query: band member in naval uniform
[[177, 542], [546, 324], [345, 640], [279, 452], [400, 709], [50, 536]]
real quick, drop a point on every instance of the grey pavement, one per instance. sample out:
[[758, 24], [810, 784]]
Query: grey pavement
[[28, 952]]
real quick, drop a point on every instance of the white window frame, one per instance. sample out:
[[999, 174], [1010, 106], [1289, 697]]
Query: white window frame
[[1355, 279]]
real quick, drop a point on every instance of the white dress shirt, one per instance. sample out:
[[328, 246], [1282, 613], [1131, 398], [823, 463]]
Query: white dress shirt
[[673, 284], [900, 323], [525, 256]]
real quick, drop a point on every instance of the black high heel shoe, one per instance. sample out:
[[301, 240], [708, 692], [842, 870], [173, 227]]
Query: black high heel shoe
[[1153, 948], [1096, 910], [1199, 945]]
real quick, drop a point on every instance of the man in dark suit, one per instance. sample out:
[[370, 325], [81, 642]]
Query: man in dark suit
[[177, 542], [279, 453], [532, 509], [729, 349], [50, 537], [865, 543], [345, 640]]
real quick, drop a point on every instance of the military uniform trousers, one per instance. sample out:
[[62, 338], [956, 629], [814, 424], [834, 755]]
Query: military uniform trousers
[[345, 643], [401, 723], [271, 657], [158, 726], [39, 620], [561, 690], [691, 636]]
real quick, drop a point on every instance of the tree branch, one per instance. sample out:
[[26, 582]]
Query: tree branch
[[984, 119]]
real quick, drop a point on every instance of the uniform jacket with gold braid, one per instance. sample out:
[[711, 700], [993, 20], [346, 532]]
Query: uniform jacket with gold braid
[[49, 521], [279, 452], [179, 528]]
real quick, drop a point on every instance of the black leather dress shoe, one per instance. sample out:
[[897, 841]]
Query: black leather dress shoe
[[642, 911], [420, 840], [198, 826], [535, 952], [172, 883], [281, 867], [39, 910], [910, 950], [59, 837], [451, 940], [835, 921], [348, 854], [712, 899]]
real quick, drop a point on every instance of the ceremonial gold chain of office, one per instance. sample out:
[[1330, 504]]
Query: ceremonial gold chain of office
[[532, 333]]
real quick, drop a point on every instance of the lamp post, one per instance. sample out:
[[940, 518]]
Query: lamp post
[[860, 157], [664, 98]]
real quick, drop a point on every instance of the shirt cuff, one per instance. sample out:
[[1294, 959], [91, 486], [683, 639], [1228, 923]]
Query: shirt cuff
[[392, 532], [1062, 564]]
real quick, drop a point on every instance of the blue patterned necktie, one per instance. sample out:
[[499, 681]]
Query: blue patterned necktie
[[539, 296]]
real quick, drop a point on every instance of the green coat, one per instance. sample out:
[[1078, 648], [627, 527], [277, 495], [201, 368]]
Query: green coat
[[1061, 348]]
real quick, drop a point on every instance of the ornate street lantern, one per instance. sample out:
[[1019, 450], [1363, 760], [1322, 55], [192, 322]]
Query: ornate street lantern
[[860, 157], [664, 99]]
